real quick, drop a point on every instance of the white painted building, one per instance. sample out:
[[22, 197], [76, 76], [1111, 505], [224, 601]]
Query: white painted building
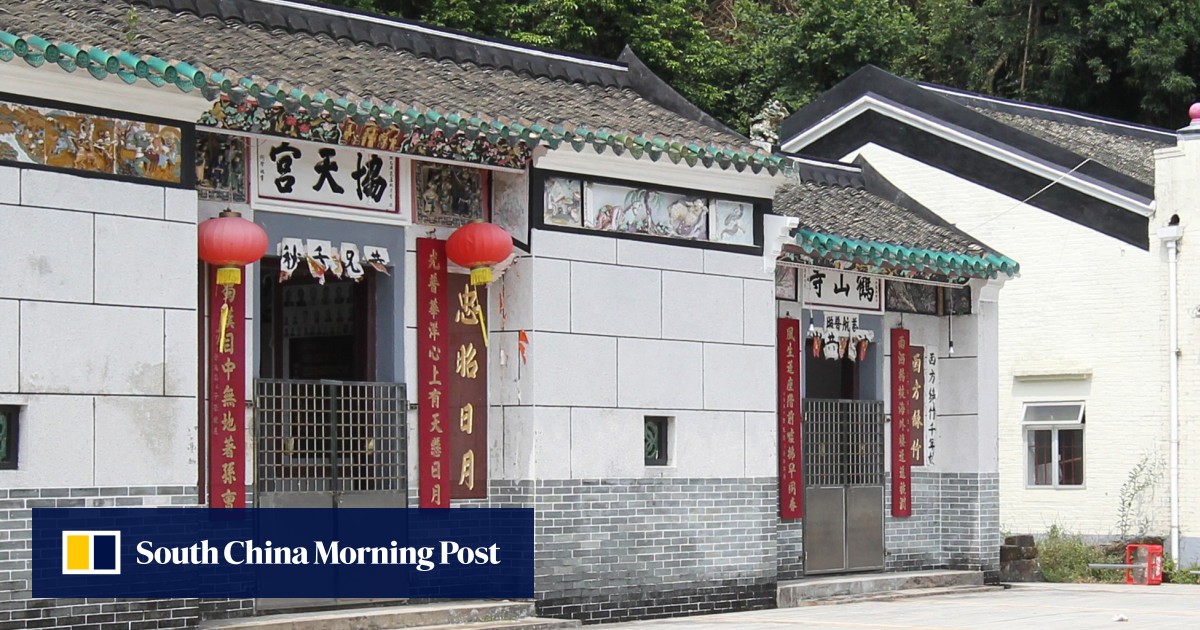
[[1085, 387], [644, 378]]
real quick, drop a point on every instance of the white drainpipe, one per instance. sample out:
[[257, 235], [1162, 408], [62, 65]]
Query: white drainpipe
[[1170, 237]]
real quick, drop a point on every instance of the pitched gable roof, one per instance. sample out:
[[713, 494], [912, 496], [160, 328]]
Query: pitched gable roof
[[371, 63], [1127, 148], [1085, 169], [851, 213]]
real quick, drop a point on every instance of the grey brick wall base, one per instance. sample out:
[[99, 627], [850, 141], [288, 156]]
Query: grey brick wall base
[[18, 609], [955, 524], [606, 550]]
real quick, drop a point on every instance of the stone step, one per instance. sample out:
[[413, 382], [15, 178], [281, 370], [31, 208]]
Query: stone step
[[529, 623], [901, 594], [450, 614], [798, 592]]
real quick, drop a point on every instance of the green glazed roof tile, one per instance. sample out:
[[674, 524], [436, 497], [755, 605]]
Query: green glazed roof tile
[[186, 77], [888, 255]]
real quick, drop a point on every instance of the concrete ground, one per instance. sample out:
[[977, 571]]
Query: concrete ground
[[1037, 606]]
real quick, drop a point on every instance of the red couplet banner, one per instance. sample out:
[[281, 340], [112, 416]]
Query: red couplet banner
[[226, 396], [433, 375], [791, 460], [916, 412], [467, 395], [901, 410]]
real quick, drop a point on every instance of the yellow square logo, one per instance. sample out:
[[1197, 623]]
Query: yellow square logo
[[91, 553]]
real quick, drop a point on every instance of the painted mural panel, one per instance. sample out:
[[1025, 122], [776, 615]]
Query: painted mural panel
[[785, 283], [732, 222], [510, 204], [564, 202], [605, 206], [927, 299], [644, 211], [906, 297], [448, 195], [221, 163], [90, 143]]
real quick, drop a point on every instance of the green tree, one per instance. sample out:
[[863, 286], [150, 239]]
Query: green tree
[[668, 35], [1129, 59], [793, 50]]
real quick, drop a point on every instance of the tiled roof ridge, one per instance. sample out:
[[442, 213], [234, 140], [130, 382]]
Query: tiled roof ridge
[[827, 172], [422, 40], [101, 62], [921, 260], [860, 180], [1051, 113]]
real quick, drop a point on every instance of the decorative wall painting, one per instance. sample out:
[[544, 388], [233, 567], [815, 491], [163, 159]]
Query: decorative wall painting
[[956, 301], [732, 222], [907, 297], [927, 299], [643, 211], [221, 167], [448, 195], [91, 143], [320, 126], [564, 202], [785, 283], [510, 204]]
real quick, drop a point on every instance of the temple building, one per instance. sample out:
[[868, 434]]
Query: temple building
[[494, 276], [1098, 421]]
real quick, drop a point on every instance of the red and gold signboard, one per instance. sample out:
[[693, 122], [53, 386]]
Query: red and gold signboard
[[916, 412], [901, 408], [468, 389], [433, 375], [227, 398], [791, 461]]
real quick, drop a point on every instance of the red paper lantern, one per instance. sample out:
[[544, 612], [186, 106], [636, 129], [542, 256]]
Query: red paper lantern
[[230, 242], [478, 246]]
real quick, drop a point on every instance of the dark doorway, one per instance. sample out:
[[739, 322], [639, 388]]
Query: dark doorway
[[832, 379], [314, 331]]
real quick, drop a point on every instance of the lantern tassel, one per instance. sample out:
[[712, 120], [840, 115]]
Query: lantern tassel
[[482, 325], [224, 326], [481, 275], [229, 275]]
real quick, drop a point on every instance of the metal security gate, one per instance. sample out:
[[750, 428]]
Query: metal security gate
[[330, 444], [323, 444], [843, 473]]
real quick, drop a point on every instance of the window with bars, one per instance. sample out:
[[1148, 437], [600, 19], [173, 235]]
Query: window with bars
[[1054, 440], [657, 429], [9, 432]]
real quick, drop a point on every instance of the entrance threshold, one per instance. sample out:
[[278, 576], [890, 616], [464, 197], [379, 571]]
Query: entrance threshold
[[475, 615], [837, 588]]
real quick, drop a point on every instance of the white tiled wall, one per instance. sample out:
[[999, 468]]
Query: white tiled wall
[[98, 330], [654, 329]]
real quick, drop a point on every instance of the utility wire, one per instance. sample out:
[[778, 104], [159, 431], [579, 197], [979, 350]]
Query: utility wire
[[1026, 200]]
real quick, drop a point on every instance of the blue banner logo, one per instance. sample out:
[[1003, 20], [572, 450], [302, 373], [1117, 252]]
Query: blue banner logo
[[278, 553], [91, 553]]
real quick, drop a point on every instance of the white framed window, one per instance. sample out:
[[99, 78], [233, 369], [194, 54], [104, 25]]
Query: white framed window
[[1054, 443]]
